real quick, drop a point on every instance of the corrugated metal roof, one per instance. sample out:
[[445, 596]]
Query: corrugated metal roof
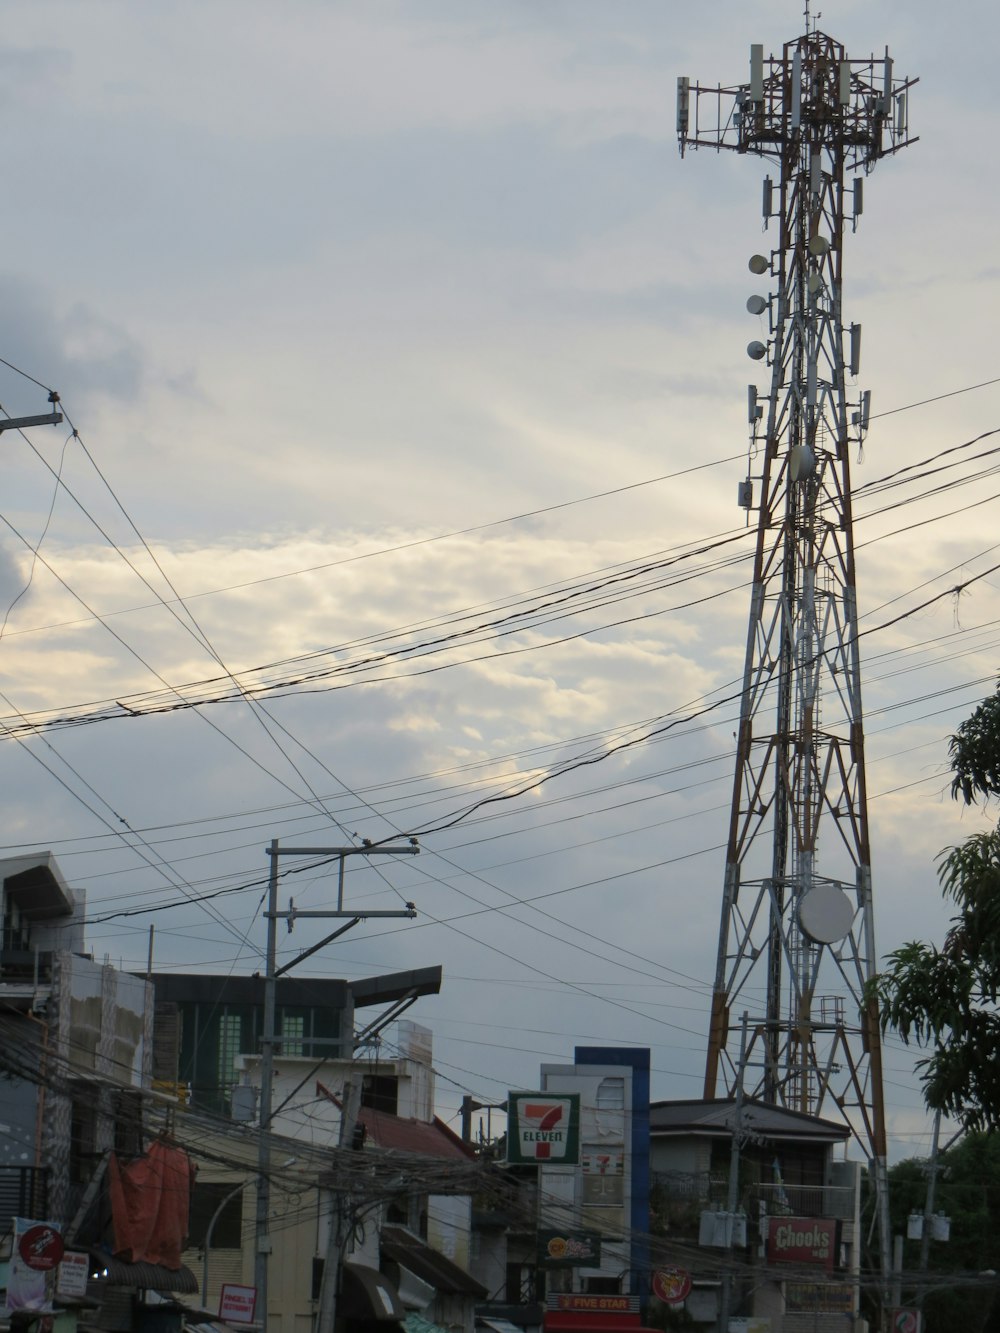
[[150, 1277], [432, 1138], [716, 1117]]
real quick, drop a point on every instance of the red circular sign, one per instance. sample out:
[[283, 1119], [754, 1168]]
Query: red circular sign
[[671, 1285], [41, 1247]]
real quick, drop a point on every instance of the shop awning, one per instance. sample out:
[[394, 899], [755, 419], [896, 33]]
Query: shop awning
[[416, 1323], [368, 1294], [442, 1273], [144, 1276], [497, 1325], [593, 1321], [596, 1323]]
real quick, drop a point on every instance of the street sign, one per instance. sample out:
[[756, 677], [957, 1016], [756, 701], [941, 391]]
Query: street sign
[[671, 1285], [543, 1128], [41, 1247], [904, 1320], [237, 1304]]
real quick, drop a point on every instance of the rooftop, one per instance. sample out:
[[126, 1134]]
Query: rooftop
[[715, 1118]]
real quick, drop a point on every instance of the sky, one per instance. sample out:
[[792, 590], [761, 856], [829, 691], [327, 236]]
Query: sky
[[377, 322]]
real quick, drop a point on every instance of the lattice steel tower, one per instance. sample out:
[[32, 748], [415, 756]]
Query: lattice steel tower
[[796, 944]]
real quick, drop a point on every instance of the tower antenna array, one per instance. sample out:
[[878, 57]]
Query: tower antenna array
[[796, 941]]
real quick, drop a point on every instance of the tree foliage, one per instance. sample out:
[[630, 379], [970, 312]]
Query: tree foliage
[[946, 998], [975, 753], [958, 1291]]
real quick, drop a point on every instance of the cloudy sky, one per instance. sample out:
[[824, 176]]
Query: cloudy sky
[[382, 322]]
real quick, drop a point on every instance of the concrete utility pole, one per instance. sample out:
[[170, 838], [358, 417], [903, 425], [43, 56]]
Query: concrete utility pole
[[733, 1194], [932, 1172], [327, 1314], [797, 925], [269, 1040]]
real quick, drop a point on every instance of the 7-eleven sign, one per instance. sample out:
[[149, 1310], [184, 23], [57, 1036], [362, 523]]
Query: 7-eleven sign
[[542, 1128]]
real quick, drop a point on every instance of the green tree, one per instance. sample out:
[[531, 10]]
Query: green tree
[[958, 1292], [946, 998]]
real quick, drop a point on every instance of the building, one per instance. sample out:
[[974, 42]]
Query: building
[[405, 1250], [77, 1055], [576, 1257], [790, 1186], [71, 1029]]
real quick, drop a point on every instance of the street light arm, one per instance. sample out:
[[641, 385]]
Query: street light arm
[[211, 1228]]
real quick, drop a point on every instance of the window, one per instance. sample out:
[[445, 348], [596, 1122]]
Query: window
[[602, 1286], [381, 1092], [292, 1033], [205, 1200], [611, 1094], [83, 1154], [127, 1110], [229, 1048]]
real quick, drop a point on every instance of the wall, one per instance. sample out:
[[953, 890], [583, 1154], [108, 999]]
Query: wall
[[449, 1227], [19, 1103], [99, 1024], [416, 1050], [488, 1261]]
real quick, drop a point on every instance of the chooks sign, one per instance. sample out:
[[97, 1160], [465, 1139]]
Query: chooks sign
[[543, 1128], [802, 1240]]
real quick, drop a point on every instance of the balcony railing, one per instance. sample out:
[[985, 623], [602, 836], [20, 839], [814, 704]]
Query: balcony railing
[[803, 1200], [25, 965], [684, 1196], [23, 1192]]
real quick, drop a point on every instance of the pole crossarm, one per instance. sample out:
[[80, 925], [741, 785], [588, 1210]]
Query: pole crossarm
[[20, 423]]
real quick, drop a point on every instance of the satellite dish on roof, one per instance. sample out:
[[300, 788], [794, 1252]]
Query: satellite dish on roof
[[825, 914]]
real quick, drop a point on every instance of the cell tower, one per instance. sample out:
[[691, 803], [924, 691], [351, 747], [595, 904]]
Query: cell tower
[[796, 944]]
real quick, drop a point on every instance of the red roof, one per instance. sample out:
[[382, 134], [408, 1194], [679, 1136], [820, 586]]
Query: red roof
[[432, 1138]]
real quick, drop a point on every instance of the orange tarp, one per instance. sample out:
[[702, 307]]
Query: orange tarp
[[150, 1199]]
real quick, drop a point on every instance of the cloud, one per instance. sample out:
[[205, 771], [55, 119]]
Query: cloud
[[76, 350], [392, 271]]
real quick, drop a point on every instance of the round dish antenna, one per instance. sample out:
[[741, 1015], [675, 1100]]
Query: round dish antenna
[[826, 914]]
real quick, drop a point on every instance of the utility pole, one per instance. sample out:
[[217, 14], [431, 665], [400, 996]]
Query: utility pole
[[732, 1197], [932, 1172], [327, 1314], [796, 925], [469, 1104], [268, 1040]]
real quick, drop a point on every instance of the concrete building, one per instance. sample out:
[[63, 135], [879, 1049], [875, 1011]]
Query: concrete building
[[791, 1185], [71, 1028], [406, 1255]]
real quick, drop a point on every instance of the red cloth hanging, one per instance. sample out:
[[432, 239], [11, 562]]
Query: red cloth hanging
[[150, 1200]]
